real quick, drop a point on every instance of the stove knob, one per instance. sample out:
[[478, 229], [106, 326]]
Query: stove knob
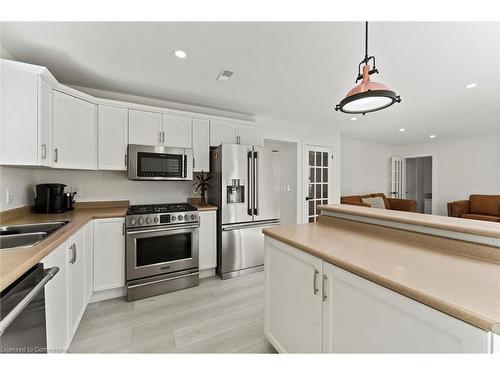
[[148, 220], [186, 217], [173, 218], [180, 217], [156, 219], [132, 221], [140, 221], [193, 217]]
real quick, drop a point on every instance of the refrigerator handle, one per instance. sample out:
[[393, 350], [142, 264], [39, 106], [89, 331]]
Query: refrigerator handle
[[256, 183], [249, 184]]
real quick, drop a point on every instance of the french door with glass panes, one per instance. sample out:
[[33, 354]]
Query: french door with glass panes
[[318, 180]]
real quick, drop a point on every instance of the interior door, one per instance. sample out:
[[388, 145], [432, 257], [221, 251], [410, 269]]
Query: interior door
[[235, 184], [267, 184], [318, 175], [398, 177]]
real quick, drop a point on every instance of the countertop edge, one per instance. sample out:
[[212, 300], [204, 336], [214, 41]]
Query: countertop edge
[[14, 274], [435, 303], [467, 226]]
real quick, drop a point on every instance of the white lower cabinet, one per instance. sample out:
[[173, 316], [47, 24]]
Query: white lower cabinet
[[360, 316], [335, 311], [208, 240], [57, 300], [77, 293], [292, 316], [109, 254]]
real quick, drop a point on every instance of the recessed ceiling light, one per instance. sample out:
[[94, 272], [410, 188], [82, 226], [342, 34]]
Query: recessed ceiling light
[[402, 130], [432, 136], [470, 85], [354, 118], [180, 54]]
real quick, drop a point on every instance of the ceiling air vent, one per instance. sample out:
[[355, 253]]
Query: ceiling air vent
[[224, 75]]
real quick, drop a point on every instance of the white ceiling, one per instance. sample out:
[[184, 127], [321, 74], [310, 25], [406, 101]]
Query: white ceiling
[[289, 71]]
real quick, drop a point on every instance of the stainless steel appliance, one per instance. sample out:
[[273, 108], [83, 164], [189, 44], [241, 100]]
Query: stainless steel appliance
[[246, 189], [161, 249], [159, 163], [22, 312]]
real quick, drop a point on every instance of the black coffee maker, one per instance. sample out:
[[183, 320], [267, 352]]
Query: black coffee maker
[[50, 199]]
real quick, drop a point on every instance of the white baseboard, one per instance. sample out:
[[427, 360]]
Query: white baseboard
[[209, 272], [107, 294]]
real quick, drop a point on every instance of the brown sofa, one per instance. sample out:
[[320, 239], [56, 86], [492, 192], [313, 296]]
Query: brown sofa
[[477, 207], [390, 203]]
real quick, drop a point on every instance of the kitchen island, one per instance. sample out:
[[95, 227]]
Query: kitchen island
[[363, 280]]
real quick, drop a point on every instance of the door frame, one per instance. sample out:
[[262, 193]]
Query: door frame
[[434, 176], [302, 207]]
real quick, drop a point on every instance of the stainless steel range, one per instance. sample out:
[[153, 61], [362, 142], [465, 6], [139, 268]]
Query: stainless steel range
[[161, 249]]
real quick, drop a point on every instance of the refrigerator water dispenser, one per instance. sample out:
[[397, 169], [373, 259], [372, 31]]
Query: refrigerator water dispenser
[[235, 191]]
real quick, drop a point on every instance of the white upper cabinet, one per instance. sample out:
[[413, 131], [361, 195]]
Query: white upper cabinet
[[201, 145], [112, 137], [223, 132], [26, 115], [145, 128], [177, 131], [75, 132], [249, 135]]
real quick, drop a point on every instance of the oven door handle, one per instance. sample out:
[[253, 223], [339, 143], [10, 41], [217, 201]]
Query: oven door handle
[[163, 229], [162, 280]]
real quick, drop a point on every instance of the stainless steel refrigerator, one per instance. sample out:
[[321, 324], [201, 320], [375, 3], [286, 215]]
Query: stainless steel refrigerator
[[246, 188]]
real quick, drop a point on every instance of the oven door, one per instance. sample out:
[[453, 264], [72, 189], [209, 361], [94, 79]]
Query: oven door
[[158, 251]]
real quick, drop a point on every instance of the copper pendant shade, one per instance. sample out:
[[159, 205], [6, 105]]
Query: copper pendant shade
[[367, 96]]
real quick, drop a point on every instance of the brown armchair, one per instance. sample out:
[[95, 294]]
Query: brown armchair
[[395, 204], [477, 207]]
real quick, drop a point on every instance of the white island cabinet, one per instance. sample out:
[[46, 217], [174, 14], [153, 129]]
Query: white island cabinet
[[335, 311]]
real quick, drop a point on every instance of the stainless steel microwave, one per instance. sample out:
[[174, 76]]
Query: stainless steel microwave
[[159, 163]]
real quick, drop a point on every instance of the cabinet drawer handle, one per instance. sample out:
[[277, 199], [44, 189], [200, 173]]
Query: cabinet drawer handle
[[323, 287], [56, 155], [44, 151], [315, 281]]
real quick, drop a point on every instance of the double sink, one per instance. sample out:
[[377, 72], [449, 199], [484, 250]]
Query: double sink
[[27, 234]]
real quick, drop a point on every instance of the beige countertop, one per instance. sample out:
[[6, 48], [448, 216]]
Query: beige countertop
[[455, 224], [461, 286], [15, 262], [196, 203]]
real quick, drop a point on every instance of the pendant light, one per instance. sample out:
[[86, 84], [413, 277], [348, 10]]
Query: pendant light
[[368, 96]]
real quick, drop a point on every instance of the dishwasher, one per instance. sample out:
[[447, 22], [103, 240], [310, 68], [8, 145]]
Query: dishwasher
[[22, 312]]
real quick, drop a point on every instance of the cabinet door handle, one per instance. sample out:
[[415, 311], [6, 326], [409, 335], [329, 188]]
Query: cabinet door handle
[[315, 281], [73, 254], [159, 137], [126, 164], [56, 155], [163, 137], [323, 287], [44, 151], [193, 162]]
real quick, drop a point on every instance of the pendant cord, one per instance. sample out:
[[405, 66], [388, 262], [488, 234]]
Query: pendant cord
[[366, 42]]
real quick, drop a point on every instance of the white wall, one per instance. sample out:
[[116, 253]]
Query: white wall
[[365, 167], [288, 180], [19, 182], [460, 167]]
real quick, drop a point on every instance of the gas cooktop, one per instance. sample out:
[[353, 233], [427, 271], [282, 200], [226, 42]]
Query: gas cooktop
[[146, 215], [144, 209]]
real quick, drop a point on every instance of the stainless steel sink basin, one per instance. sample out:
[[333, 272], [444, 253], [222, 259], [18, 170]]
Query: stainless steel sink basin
[[25, 239], [27, 234]]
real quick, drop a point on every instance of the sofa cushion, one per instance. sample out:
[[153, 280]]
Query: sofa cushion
[[351, 198], [481, 217], [375, 202], [382, 195], [485, 204]]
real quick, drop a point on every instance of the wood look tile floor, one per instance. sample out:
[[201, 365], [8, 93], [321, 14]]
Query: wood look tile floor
[[218, 316]]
